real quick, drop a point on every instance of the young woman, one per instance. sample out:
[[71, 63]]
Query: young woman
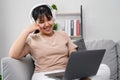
[[50, 49]]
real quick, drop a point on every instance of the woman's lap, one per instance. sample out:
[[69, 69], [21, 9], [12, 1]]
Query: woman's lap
[[41, 76], [102, 74]]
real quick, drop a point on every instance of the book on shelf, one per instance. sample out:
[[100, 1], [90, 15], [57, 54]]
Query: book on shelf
[[71, 26], [78, 28]]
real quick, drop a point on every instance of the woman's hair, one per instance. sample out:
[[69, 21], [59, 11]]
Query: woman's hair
[[40, 11]]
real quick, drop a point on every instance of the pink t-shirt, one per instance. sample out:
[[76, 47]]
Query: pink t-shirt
[[51, 53]]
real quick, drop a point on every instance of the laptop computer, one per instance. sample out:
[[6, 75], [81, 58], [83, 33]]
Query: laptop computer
[[81, 64]]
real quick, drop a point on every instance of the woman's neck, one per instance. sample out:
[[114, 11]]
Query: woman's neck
[[47, 35]]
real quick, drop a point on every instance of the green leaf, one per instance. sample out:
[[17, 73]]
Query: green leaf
[[54, 6], [0, 77], [55, 26]]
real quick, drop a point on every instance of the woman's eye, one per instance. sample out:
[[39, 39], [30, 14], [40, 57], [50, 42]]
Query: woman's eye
[[41, 21], [49, 19]]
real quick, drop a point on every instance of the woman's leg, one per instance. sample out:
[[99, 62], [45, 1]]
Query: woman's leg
[[42, 76], [102, 74]]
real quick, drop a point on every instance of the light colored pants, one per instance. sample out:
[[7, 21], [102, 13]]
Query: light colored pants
[[102, 74]]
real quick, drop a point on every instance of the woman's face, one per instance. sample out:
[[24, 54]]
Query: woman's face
[[45, 25]]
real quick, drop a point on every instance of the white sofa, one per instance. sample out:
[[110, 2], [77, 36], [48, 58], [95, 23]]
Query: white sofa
[[13, 69]]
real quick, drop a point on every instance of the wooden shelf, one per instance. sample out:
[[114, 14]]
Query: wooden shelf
[[67, 19], [75, 37], [68, 14]]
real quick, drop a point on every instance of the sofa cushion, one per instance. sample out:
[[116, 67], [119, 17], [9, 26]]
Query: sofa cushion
[[118, 52], [110, 57], [17, 69], [81, 44]]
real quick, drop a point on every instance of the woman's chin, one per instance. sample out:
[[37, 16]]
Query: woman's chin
[[48, 32]]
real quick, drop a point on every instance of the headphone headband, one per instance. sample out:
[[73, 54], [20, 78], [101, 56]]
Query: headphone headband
[[31, 18]]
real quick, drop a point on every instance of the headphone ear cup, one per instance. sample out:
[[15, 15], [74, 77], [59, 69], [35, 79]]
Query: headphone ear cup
[[53, 12], [31, 19]]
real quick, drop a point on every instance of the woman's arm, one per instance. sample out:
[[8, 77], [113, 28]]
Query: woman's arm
[[18, 47]]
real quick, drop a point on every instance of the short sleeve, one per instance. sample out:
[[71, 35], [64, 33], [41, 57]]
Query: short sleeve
[[71, 46], [26, 49]]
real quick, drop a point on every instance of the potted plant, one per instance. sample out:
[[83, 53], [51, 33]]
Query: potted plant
[[0, 77], [55, 26], [54, 7]]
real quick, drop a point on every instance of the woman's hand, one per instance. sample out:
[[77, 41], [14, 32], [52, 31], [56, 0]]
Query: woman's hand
[[85, 78], [32, 28]]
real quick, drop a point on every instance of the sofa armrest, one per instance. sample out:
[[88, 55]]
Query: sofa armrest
[[13, 69]]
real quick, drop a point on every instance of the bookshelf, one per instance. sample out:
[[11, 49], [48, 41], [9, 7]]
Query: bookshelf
[[68, 14], [68, 22]]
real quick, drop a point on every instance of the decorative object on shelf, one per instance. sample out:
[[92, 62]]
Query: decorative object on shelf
[[54, 7]]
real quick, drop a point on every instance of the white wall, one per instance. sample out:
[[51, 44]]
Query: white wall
[[101, 19]]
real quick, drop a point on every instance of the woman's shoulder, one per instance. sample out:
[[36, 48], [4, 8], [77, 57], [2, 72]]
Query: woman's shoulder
[[32, 36], [62, 33]]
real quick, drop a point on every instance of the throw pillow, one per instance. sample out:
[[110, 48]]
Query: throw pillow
[[81, 44]]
